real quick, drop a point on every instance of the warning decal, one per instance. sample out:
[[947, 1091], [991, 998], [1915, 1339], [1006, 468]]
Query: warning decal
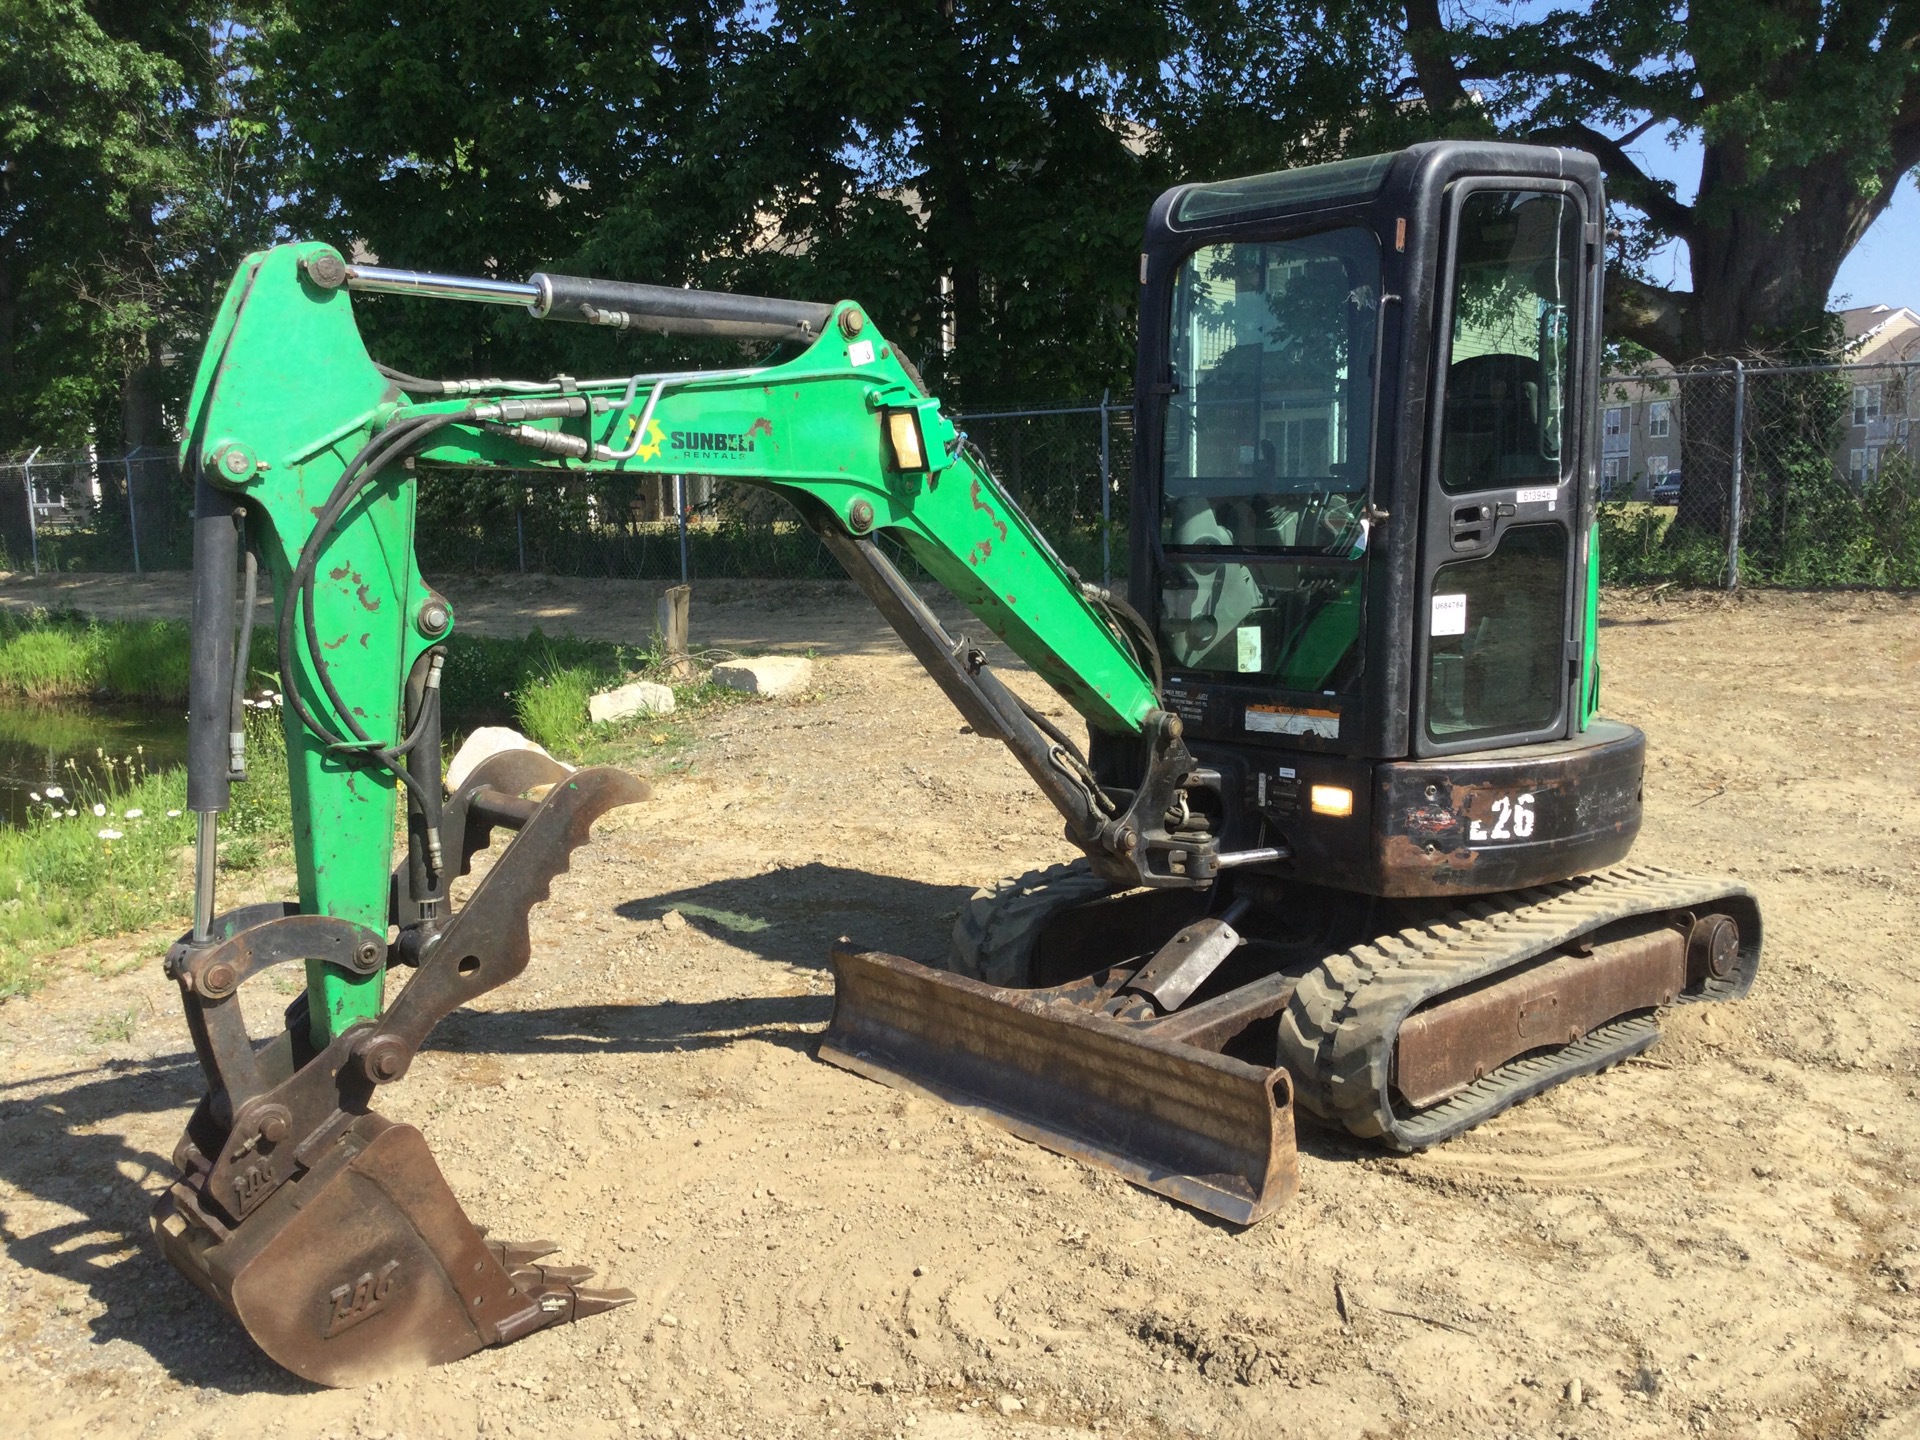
[[1293, 720]]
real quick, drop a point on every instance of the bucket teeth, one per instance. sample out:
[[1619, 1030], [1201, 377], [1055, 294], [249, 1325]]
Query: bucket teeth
[[556, 1289], [515, 1253], [552, 1274]]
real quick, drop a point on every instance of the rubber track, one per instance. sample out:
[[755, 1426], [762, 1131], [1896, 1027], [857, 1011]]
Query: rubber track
[[1337, 1034], [994, 932]]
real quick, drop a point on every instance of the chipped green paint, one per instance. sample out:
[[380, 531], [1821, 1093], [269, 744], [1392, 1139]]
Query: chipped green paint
[[286, 380]]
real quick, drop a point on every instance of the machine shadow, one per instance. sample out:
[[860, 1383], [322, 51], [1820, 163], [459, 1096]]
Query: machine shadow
[[58, 1143], [792, 916], [58, 1147]]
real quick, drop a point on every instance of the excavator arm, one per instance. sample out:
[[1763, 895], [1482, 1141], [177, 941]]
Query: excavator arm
[[296, 430], [325, 1229]]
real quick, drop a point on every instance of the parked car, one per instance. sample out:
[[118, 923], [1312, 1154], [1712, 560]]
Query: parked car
[[1667, 492]]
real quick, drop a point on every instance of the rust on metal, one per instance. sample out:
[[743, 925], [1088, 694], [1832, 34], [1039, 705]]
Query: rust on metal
[[1445, 1047], [326, 1231], [366, 1266], [1204, 1129]]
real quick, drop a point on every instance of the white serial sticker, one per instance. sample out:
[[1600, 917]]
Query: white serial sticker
[[860, 352], [1548, 497], [1246, 648], [1449, 615], [1289, 720]]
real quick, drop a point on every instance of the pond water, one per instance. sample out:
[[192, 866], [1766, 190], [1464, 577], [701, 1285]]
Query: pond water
[[37, 741]]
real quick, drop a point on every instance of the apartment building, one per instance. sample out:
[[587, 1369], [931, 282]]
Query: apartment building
[[1884, 406], [1639, 433]]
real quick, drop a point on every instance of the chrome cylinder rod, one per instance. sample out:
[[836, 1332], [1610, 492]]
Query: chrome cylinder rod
[[206, 837], [377, 280]]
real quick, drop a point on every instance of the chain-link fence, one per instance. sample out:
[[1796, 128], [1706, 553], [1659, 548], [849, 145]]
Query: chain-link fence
[[86, 511], [1727, 474], [1779, 475], [1069, 466]]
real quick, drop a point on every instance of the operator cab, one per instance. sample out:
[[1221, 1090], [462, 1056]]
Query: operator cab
[[1363, 518]]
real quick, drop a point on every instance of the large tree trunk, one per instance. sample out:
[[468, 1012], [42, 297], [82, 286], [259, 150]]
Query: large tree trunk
[[1759, 293]]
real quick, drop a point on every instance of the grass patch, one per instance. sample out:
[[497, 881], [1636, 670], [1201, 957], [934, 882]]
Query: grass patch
[[113, 851], [56, 656], [68, 878]]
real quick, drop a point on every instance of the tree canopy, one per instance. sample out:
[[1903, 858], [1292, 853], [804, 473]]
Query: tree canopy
[[975, 171], [127, 189], [1807, 113]]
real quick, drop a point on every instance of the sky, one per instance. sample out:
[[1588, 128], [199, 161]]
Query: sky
[[1880, 271]]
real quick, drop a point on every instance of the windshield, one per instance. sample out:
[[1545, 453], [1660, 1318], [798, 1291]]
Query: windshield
[[1266, 451]]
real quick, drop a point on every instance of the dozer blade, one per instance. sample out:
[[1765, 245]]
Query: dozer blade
[[1204, 1129], [366, 1266]]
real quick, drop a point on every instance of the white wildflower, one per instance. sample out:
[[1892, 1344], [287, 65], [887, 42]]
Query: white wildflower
[[108, 834], [72, 813], [173, 814], [54, 792], [135, 813], [34, 796], [99, 811]]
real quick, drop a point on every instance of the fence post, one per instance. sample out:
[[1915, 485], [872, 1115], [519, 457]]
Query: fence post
[[133, 516], [1106, 493], [520, 529], [1739, 464], [680, 513], [33, 520]]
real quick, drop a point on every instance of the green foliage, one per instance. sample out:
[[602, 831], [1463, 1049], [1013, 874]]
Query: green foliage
[[1639, 545], [552, 706], [1805, 116], [50, 656], [67, 878], [133, 179]]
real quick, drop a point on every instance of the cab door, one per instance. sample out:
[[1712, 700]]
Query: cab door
[[1496, 650]]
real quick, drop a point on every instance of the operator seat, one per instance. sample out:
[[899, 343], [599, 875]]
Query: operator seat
[[1493, 433]]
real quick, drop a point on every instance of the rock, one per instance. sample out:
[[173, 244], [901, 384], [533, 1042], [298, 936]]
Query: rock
[[770, 675], [637, 697], [485, 743], [1576, 1392], [1010, 1404], [673, 920]]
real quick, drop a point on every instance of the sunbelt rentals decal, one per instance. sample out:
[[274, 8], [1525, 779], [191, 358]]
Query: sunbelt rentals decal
[[718, 443]]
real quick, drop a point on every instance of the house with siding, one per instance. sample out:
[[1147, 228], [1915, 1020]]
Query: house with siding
[[1639, 433], [1884, 406]]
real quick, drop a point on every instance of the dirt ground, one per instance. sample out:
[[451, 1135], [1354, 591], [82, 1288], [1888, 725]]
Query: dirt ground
[[1719, 1239]]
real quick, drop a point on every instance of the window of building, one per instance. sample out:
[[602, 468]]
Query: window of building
[[1659, 419], [1609, 476], [1866, 403], [1863, 464], [1656, 468], [1616, 421]]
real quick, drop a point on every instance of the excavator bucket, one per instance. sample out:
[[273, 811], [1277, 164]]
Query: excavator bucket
[[1146, 1102], [366, 1265], [325, 1229]]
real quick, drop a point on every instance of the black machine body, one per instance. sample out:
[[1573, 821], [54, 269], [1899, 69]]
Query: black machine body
[[1366, 464]]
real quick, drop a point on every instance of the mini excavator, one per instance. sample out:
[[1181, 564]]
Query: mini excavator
[[1353, 833]]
